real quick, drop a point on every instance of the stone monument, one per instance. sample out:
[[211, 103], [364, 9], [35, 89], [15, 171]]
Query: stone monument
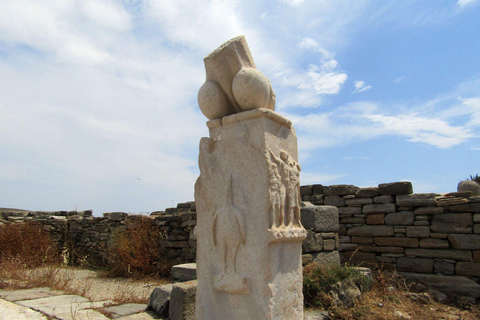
[[249, 234]]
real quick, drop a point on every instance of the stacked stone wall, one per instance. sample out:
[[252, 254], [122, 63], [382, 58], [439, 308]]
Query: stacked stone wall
[[87, 239], [410, 232], [322, 242]]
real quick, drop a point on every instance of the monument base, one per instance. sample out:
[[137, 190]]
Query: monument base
[[249, 234]]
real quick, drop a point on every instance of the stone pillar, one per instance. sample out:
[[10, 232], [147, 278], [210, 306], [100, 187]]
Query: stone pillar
[[249, 234]]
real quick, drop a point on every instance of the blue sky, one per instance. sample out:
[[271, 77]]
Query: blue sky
[[98, 97]]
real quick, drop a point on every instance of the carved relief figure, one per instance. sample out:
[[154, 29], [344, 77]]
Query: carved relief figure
[[284, 188], [293, 186], [277, 196], [229, 232]]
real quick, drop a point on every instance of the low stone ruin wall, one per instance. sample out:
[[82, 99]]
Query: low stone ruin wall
[[88, 238], [410, 232], [322, 242]]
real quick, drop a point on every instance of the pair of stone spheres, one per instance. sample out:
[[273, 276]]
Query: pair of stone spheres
[[233, 83]]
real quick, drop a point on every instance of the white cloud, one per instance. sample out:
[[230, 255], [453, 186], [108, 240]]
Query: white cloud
[[432, 131], [309, 86], [473, 105], [399, 79], [68, 30], [308, 43], [360, 87], [364, 121], [464, 3], [311, 44], [294, 3], [199, 24], [95, 115]]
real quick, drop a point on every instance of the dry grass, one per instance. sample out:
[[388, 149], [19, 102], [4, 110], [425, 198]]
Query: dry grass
[[138, 251], [391, 298], [22, 247], [29, 259], [26, 244]]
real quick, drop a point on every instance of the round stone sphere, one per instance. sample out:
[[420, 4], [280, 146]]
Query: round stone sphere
[[212, 101], [251, 89], [469, 185]]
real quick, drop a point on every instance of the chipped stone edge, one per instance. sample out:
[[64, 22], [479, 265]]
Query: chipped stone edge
[[248, 115]]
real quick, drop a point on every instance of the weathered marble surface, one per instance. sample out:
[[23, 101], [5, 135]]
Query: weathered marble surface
[[233, 83], [249, 234]]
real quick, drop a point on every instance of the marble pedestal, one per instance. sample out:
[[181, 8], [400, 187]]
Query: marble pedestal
[[249, 234]]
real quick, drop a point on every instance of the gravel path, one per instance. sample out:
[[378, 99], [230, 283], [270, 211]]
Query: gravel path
[[89, 284]]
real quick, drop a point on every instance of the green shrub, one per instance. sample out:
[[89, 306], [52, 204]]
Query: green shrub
[[475, 178], [138, 250], [318, 280]]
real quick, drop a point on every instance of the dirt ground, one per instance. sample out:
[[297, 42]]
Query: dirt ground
[[91, 285]]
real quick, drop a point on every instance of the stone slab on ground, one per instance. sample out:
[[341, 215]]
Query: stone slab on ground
[[316, 315], [12, 311], [184, 272], [160, 299], [67, 307], [29, 294], [126, 309], [148, 315], [182, 301], [461, 286]]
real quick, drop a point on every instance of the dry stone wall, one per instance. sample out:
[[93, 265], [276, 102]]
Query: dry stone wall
[[88, 239], [322, 242], [411, 232]]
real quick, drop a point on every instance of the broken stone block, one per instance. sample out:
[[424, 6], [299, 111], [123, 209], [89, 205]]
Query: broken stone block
[[452, 223], [468, 207], [332, 257], [444, 267], [184, 272], [418, 232], [379, 208], [384, 199], [378, 218], [440, 253], [320, 218], [451, 284], [312, 243], [371, 231], [468, 269], [396, 242], [464, 241], [182, 301], [340, 190], [160, 299], [404, 218], [434, 243], [416, 200], [394, 188], [367, 192]]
